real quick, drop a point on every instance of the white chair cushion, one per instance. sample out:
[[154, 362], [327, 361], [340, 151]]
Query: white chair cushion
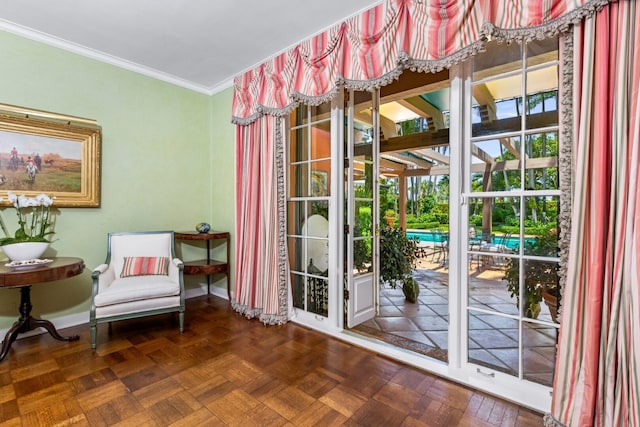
[[135, 289], [137, 307]]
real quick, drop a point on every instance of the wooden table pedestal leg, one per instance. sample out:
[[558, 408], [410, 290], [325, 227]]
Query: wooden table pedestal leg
[[27, 323]]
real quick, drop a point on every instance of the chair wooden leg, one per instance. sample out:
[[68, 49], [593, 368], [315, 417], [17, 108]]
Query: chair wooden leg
[[181, 317], [94, 335]]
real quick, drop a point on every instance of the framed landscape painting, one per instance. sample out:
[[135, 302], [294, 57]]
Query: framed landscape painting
[[52, 154]]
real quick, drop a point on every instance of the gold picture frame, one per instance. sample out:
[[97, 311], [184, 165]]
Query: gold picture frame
[[50, 153]]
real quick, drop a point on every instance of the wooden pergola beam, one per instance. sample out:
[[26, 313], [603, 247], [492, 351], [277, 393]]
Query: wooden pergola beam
[[409, 160], [389, 165], [412, 84], [440, 137], [387, 125], [506, 165], [482, 155], [421, 107], [483, 96], [434, 155]]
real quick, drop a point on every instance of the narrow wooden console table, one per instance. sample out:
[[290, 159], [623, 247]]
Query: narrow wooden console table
[[207, 266], [22, 278]]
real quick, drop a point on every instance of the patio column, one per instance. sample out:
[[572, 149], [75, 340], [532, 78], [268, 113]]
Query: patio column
[[402, 208], [487, 203]]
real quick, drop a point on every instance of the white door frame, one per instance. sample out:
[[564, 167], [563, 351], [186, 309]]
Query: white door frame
[[363, 288]]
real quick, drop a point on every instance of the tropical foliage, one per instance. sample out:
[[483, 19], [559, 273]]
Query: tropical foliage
[[539, 276]]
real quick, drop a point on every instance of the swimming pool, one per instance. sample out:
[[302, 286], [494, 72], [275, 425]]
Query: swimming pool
[[426, 236], [434, 236]]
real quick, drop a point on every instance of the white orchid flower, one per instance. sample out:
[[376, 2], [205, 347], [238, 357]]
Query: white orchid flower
[[22, 201], [35, 223], [44, 200]]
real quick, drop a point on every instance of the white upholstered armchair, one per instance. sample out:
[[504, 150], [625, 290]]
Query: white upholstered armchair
[[141, 277]]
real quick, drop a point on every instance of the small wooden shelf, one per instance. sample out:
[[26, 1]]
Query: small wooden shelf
[[203, 266], [207, 266]]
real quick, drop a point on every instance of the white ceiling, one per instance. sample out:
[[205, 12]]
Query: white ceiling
[[199, 44]]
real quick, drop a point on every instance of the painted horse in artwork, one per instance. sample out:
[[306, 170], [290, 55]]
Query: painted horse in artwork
[[32, 170]]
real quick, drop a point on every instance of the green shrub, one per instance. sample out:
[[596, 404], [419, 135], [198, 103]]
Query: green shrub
[[475, 220], [426, 217], [416, 225], [433, 225], [442, 218]]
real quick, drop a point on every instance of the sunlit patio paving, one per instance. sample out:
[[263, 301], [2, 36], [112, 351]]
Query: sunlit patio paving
[[493, 340]]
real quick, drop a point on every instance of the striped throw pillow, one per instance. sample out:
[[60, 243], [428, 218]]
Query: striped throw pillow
[[145, 266]]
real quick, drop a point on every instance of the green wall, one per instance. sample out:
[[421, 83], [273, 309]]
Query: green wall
[[222, 173], [167, 161]]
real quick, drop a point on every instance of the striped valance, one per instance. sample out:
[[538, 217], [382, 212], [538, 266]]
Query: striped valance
[[372, 49]]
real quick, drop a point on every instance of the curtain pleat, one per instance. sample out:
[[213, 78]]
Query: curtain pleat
[[260, 285], [597, 379], [372, 49]]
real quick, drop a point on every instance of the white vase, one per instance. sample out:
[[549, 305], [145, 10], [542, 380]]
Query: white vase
[[25, 250]]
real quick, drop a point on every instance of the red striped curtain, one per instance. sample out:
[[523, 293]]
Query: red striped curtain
[[597, 379], [260, 283]]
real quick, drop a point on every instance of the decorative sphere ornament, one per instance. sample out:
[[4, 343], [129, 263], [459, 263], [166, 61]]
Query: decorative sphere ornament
[[203, 227]]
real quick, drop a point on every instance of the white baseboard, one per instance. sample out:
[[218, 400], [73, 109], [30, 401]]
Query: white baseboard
[[76, 319]]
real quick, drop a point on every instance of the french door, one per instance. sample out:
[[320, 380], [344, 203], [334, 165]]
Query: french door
[[509, 216], [312, 215], [332, 211], [503, 133], [361, 237]]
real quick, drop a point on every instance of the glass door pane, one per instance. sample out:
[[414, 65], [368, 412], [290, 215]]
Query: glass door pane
[[361, 172], [308, 202], [512, 201]]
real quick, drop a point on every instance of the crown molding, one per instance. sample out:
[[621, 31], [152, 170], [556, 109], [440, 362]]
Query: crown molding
[[221, 86], [81, 50]]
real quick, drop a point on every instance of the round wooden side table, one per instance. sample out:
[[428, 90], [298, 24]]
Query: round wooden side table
[[22, 278]]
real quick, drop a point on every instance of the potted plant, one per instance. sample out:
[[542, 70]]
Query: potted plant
[[540, 277], [31, 238], [397, 259]]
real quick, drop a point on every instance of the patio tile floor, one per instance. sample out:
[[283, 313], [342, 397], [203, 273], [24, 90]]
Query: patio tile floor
[[493, 339]]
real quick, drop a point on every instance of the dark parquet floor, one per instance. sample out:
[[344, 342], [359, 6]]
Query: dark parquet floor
[[227, 370]]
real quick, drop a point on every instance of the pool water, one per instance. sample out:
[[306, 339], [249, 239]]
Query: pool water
[[433, 236]]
